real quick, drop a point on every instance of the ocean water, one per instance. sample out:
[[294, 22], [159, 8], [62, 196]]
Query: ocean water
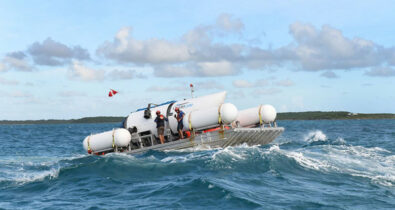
[[329, 164]]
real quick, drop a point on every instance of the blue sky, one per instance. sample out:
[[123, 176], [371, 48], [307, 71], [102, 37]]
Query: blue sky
[[59, 59]]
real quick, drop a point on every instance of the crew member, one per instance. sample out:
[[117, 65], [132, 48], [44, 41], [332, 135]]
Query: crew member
[[160, 125], [180, 126]]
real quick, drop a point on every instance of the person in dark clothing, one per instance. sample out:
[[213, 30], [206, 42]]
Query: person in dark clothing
[[160, 125], [180, 125]]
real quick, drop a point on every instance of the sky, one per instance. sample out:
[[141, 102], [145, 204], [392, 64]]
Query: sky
[[59, 59]]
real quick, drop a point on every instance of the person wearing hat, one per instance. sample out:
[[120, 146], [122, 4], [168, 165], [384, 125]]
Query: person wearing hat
[[160, 125], [180, 126]]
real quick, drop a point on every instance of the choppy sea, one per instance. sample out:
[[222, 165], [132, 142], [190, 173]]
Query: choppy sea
[[328, 164]]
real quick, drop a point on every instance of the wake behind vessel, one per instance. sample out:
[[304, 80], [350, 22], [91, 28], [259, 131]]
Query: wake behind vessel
[[208, 122]]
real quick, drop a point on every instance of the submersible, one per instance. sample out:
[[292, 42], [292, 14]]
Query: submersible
[[208, 122]]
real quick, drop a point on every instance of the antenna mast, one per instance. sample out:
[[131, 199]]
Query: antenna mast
[[191, 85]]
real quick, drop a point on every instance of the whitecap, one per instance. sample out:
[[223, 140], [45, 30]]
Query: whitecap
[[373, 163], [316, 135], [29, 176]]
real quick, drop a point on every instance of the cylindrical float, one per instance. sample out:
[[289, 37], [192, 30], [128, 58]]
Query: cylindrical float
[[199, 119], [260, 114], [104, 141]]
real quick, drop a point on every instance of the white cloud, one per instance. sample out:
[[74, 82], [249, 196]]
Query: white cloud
[[209, 84], [329, 49], [125, 48], [174, 71], [79, 71], [124, 74], [248, 84], [52, 53], [219, 68], [381, 72], [199, 69], [241, 83], [200, 53]]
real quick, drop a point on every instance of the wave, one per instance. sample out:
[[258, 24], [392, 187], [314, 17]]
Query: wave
[[314, 136], [26, 169], [373, 163], [333, 156]]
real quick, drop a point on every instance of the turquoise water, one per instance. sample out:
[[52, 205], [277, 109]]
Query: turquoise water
[[344, 164]]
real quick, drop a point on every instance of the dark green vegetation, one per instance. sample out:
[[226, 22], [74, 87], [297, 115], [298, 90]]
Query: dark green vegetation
[[280, 116]]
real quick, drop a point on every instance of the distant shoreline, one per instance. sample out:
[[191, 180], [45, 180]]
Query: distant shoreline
[[280, 116]]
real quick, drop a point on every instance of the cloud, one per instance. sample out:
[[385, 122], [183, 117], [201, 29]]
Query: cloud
[[125, 48], [219, 68], [125, 74], [53, 53], [79, 71], [329, 75], [228, 23], [285, 83], [328, 49], [269, 91], [2, 67], [5, 81], [17, 61], [241, 83], [247, 84], [206, 85], [381, 72], [193, 54], [200, 69], [209, 84], [204, 52]]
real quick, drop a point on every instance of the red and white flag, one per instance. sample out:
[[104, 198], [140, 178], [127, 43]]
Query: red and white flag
[[112, 92]]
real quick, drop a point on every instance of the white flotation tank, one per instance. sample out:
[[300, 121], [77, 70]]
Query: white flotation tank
[[210, 117], [104, 141], [252, 116]]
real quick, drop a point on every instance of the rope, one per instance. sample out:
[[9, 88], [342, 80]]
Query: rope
[[260, 116], [189, 121], [113, 139], [89, 146], [219, 115]]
